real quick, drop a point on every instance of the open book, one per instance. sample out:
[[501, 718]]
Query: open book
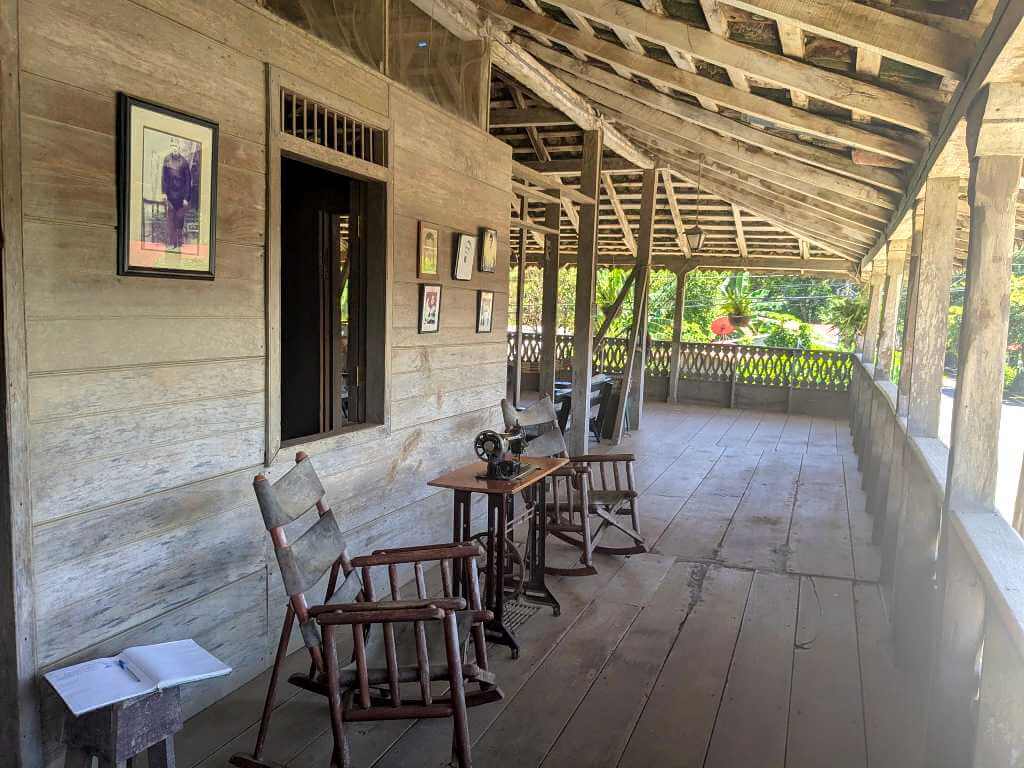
[[133, 672]]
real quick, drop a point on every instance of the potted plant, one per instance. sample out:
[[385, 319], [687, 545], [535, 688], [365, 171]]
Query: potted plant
[[737, 300]]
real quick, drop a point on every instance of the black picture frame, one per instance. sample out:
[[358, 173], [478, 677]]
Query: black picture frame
[[464, 256], [488, 261], [481, 325], [125, 106], [421, 325]]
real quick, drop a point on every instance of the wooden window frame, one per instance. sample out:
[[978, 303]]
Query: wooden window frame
[[279, 146]]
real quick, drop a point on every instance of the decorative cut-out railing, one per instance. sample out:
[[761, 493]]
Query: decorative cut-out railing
[[824, 370]]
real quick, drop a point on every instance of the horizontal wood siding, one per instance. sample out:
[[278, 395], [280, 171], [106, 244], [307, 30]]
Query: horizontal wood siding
[[147, 397]]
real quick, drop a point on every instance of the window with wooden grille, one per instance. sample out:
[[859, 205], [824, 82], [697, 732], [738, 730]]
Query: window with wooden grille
[[309, 120]]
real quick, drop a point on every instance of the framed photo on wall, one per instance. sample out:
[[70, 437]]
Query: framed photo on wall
[[430, 308], [465, 255], [484, 311], [426, 257], [167, 191], [488, 250]]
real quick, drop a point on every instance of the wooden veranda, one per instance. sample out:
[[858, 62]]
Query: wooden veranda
[[753, 633], [816, 589]]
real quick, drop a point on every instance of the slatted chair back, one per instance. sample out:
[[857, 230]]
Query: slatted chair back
[[315, 552], [540, 422]]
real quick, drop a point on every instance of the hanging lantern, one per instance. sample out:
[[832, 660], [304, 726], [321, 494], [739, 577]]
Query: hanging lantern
[[695, 235], [694, 238]]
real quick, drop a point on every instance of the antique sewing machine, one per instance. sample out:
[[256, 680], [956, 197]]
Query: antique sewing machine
[[502, 451]]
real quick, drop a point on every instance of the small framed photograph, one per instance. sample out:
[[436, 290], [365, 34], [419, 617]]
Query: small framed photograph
[[426, 260], [484, 311], [167, 191], [488, 250], [430, 308], [465, 255]]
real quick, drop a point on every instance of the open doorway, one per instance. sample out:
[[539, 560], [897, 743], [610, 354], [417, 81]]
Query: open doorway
[[331, 272]]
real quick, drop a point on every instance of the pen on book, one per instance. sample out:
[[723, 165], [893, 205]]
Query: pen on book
[[122, 665]]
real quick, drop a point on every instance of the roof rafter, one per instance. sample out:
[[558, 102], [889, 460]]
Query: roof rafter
[[751, 104], [911, 42], [823, 84]]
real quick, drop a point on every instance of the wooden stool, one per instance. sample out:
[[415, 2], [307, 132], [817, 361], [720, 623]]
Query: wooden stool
[[118, 733]]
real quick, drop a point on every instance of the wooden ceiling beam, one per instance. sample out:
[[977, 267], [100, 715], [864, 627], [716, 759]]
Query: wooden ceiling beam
[[654, 70], [781, 115], [741, 240], [529, 117], [718, 25], [926, 47], [677, 218], [620, 214], [571, 167], [770, 208], [633, 102], [822, 84], [517, 62]]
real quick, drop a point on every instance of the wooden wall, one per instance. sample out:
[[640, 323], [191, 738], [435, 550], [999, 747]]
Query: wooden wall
[[147, 397]]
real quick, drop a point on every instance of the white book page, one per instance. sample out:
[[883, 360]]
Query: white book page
[[171, 664], [97, 683]]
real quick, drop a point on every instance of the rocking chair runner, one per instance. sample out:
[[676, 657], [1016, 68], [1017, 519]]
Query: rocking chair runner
[[395, 641], [599, 487]]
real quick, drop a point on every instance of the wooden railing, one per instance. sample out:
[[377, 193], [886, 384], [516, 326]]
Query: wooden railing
[[823, 370], [954, 579]]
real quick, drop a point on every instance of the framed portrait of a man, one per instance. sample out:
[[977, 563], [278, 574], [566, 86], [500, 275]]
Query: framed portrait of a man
[[167, 191], [465, 254], [430, 308], [488, 250]]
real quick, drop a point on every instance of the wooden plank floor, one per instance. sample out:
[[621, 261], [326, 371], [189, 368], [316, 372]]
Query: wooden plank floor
[[752, 634]]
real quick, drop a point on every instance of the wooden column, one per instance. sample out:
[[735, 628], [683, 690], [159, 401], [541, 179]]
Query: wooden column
[[890, 311], [517, 371], [578, 439], [928, 322], [996, 145], [641, 293], [678, 316], [549, 308], [874, 316], [910, 321], [20, 731]]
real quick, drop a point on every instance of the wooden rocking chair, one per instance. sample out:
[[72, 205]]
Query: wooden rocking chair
[[597, 487], [395, 641]]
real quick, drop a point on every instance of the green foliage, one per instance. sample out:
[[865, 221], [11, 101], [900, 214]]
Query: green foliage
[[848, 316], [1009, 377], [780, 329], [736, 296]]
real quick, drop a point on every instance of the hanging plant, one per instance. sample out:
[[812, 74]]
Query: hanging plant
[[737, 300]]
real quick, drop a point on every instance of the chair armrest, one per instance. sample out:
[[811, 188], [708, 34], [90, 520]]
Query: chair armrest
[[416, 555], [380, 616], [444, 603], [597, 458]]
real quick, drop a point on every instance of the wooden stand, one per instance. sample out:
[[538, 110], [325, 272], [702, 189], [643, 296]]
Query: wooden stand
[[118, 733], [500, 494]]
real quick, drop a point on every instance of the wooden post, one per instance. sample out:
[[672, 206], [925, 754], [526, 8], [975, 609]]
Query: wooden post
[[992, 193], [931, 307], [578, 439], [678, 315], [612, 311], [641, 294], [874, 316], [517, 371], [995, 127], [910, 321], [890, 311], [549, 309], [20, 731]]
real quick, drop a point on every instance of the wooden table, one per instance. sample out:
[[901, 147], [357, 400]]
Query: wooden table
[[465, 483], [119, 732]]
